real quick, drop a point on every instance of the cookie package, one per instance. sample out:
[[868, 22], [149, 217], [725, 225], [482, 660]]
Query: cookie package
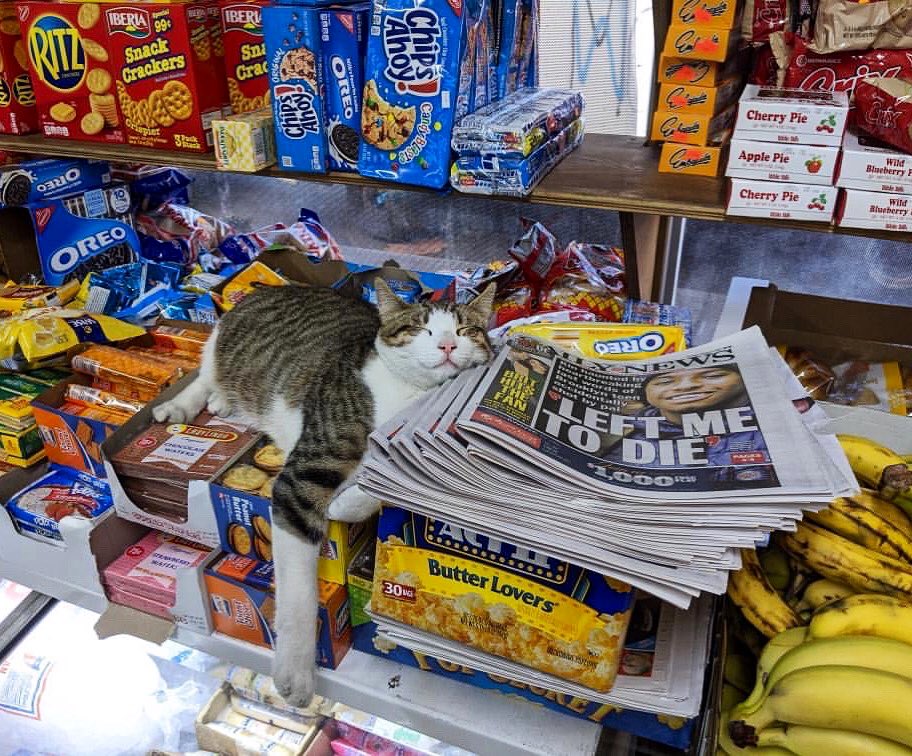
[[411, 80], [166, 77], [47, 178]]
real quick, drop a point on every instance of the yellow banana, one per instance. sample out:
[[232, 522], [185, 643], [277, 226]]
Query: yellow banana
[[841, 698], [864, 614], [731, 696], [848, 651], [814, 741], [874, 523], [726, 747], [755, 597], [774, 650], [861, 533], [839, 559], [886, 510], [876, 465], [822, 592]]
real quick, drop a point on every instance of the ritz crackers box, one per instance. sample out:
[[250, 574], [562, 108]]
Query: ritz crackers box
[[245, 55], [17, 98], [72, 71], [166, 76]]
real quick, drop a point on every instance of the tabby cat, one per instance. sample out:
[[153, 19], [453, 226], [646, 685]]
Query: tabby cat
[[317, 372]]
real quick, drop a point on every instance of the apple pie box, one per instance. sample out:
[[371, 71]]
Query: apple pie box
[[244, 521], [242, 602], [880, 210], [792, 116], [766, 161], [768, 199], [160, 474], [872, 166]]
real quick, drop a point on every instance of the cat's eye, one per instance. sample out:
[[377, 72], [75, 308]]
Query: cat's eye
[[411, 331], [469, 331]]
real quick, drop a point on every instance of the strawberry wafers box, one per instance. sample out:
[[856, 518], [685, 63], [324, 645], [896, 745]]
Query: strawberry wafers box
[[165, 73], [245, 55], [17, 98], [69, 58]]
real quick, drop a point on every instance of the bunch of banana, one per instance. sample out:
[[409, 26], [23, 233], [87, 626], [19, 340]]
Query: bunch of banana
[[877, 466], [758, 601], [820, 593], [841, 686]]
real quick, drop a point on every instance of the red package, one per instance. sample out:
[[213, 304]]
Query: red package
[[588, 277], [841, 72], [883, 108], [764, 68], [535, 252], [515, 301], [763, 17]]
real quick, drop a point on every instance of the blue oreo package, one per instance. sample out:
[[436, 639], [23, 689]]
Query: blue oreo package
[[343, 34], [36, 180], [295, 62], [414, 51], [85, 232], [517, 62]]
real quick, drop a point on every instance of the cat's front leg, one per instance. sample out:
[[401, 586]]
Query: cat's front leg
[[352, 503], [194, 398], [297, 602]]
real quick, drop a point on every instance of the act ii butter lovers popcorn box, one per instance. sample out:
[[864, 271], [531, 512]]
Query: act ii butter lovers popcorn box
[[295, 66], [71, 70], [414, 50], [521, 605]]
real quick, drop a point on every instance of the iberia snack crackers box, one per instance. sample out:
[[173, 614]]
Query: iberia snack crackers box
[[162, 55], [686, 128], [411, 82], [690, 160], [706, 14], [218, 54], [700, 43], [71, 70], [768, 199], [512, 602], [768, 161], [245, 55], [295, 66], [17, 98]]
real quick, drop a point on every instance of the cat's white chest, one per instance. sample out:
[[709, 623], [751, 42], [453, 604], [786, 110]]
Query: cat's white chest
[[391, 394]]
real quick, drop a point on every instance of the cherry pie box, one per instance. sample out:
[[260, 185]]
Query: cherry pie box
[[768, 199], [768, 161], [72, 71], [880, 210], [17, 98], [768, 114], [873, 166]]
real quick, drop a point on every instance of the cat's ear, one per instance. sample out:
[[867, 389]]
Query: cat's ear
[[481, 307], [387, 301]]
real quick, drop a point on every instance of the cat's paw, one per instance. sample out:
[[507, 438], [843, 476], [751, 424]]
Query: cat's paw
[[295, 683], [352, 505], [172, 412], [218, 405]]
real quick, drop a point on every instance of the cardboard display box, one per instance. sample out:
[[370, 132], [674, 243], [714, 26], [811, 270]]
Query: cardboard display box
[[769, 199], [693, 128], [869, 165], [875, 209], [765, 161]]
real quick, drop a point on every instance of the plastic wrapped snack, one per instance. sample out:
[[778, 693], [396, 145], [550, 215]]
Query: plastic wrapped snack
[[816, 376], [883, 108], [589, 277], [183, 340], [519, 124], [514, 177], [609, 341], [861, 25], [121, 367], [875, 385], [762, 18], [93, 397]]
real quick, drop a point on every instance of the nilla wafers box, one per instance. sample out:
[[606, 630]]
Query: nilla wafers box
[[165, 73], [72, 71]]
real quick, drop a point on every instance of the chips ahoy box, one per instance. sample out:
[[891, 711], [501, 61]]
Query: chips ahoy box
[[295, 62], [411, 83], [343, 33]]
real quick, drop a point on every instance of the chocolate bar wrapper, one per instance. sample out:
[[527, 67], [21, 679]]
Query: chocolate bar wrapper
[[512, 177], [519, 124]]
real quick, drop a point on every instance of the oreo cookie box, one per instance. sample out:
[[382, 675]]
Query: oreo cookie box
[[36, 180], [295, 65], [343, 34], [411, 84]]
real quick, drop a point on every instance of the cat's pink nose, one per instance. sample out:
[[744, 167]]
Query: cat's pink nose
[[447, 347]]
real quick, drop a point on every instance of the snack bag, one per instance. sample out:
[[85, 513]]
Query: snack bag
[[883, 108], [588, 277], [862, 24], [870, 384], [411, 85], [616, 341], [762, 18], [815, 376]]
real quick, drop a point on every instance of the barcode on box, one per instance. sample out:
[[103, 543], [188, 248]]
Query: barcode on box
[[286, 161]]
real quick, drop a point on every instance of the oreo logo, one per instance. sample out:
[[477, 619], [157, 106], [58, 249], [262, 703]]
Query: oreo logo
[[648, 342], [66, 258], [59, 182], [340, 74], [56, 54]]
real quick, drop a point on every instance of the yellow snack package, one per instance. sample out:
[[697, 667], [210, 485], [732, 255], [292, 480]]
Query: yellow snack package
[[255, 274], [609, 341], [48, 331], [18, 297]]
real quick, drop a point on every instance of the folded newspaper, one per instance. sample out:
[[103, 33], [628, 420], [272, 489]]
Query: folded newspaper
[[654, 472]]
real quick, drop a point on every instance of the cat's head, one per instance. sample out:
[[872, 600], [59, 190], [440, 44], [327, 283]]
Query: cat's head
[[431, 342]]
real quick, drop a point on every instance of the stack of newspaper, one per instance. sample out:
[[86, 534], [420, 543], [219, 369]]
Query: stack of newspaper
[[654, 472]]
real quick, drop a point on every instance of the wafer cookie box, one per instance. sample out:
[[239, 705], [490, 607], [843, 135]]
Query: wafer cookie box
[[165, 74], [676, 70], [17, 98], [706, 14], [414, 49], [692, 98], [502, 599], [691, 160], [768, 199], [688, 41], [72, 70], [245, 55], [295, 65], [696, 129]]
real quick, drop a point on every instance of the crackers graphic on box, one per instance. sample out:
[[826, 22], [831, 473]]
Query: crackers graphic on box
[[17, 98], [71, 71], [165, 73], [245, 55]]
